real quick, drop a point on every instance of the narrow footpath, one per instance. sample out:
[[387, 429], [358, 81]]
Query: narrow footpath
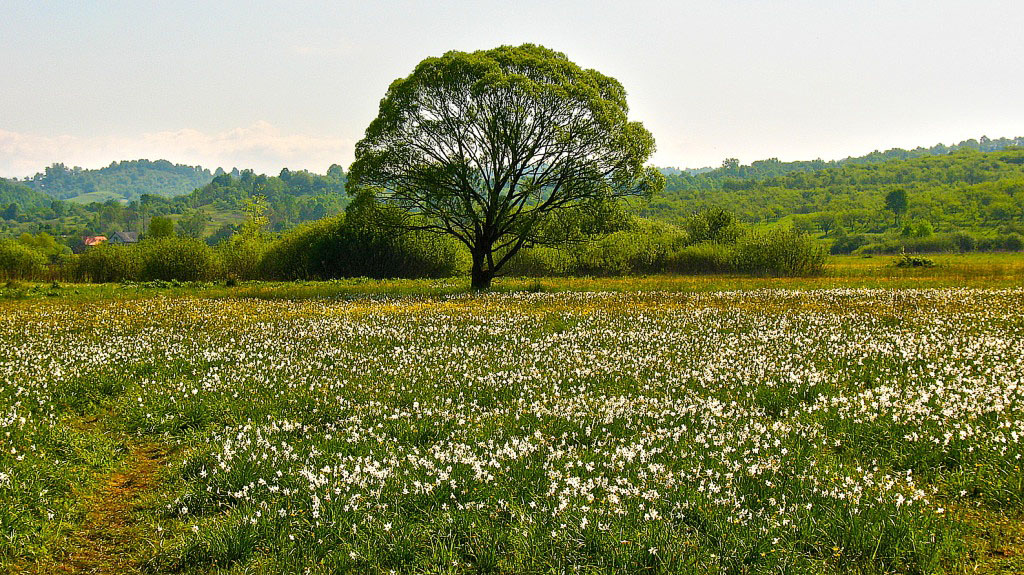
[[111, 540]]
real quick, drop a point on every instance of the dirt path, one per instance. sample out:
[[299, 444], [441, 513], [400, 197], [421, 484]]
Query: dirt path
[[110, 540], [1001, 548]]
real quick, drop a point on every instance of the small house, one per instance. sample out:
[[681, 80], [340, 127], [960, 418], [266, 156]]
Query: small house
[[124, 238], [88, 242]]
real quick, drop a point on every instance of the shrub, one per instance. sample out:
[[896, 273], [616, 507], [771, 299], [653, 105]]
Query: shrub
[[703, 258], [242, 257], [305, 252], [108, 263], [18, 261], [923, 229], [930, 244], [183, 259], [541, 261], [909, 261], [713, 225], [964, 241], [621, 253], [414, 255], [1012, 242], [885, 247], [336, 248], [642, 248], [779, 252], [845, 244]]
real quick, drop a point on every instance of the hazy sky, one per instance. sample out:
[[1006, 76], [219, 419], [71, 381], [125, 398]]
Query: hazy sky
[[273, 84]]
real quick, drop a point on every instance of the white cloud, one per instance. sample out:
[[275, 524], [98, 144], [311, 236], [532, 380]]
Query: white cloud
[[261, 146]]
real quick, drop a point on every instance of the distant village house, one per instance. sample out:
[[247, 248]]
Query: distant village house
[[120, 238], [124, 238], [88, 242]]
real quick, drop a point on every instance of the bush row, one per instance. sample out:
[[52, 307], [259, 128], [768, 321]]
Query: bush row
[[939, 243], [182, 259], [653, 250], [326, 249], [334, 248], [339, 247]]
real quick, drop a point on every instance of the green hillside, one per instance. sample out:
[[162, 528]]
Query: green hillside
[[966, 189], [23, 197], [732, 173], [212, 210], [120, 181]]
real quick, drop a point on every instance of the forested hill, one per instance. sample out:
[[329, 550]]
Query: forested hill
[[212, 210], [290, 198], [966, 189], [732, 170], [121, 181], [16, 197]]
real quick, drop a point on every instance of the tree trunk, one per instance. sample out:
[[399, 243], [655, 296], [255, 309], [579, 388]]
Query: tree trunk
[[481, 278]]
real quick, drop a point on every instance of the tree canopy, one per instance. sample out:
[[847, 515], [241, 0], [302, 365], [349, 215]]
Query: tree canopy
[[487, 146]]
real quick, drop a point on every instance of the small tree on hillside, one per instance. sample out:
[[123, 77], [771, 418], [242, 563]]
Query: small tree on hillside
[[826, 222], [192, 224], [256, 220], [161, 227], [896, 202], [243, 252], [488, 146]]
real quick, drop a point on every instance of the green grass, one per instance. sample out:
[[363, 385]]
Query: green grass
[[978, 270], [99, 197]]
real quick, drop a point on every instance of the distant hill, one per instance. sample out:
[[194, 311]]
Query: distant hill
[[974, 185], [673, 171], [291, 197], [966, 189], [212, 210], [732, 171], [20, 195], [122, 181]]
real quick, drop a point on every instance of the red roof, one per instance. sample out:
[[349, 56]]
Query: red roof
[[94, 240]]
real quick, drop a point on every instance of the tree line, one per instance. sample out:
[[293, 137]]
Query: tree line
[[212, 212], [362, 242], [126, 180]]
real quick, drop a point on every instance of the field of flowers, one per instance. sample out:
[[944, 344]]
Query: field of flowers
[[766, 431]]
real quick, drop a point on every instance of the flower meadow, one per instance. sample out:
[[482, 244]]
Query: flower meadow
[[767, 431]]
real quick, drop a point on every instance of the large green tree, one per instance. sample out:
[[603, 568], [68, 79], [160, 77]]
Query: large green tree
[[490, 146]]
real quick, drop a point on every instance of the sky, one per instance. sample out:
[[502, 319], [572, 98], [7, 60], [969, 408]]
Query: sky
[[267, 85]]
